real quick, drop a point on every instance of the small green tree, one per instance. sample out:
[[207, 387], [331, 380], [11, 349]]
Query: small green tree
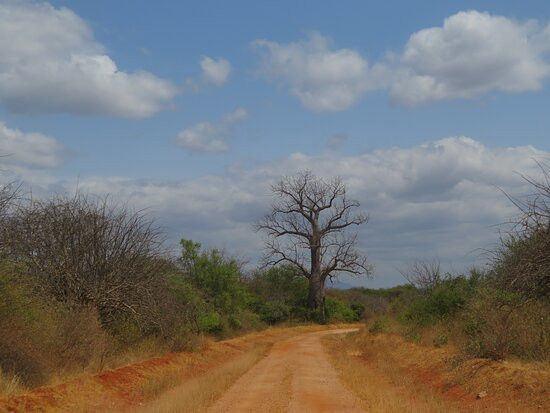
[[217, 276]]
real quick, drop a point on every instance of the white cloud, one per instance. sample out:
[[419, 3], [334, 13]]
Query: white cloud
[[435, 199], [50, 62], [215, 71], [322, 78], [211, 137], [34, 149], [471, 54]]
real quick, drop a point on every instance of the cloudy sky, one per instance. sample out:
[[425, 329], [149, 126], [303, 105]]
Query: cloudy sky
[[427, 110]]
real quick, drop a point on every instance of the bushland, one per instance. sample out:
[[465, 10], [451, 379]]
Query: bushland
[[500, 311], [87, 284]]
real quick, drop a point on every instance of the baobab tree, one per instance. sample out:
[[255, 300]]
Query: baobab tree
[[309, 227]]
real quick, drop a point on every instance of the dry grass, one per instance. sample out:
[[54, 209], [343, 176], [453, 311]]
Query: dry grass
[[10, 384], [380, 384], [126, 386], [390, 374], [195, 395]]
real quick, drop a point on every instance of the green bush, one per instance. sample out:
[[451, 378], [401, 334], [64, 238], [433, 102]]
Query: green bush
[[443, 301], [440, 340], [211, 323], [378, 326], [358, 309], [273, 312], [337, 310], [413, 335]]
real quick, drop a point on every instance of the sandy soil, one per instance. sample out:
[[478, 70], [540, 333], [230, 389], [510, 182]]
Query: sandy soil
[[296, 376]]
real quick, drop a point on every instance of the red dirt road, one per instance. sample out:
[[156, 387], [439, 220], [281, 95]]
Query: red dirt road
[[295, 377]]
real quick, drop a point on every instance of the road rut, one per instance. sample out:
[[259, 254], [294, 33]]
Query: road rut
[[295, 377]]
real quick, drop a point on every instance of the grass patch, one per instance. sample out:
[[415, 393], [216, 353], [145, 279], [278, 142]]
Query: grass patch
[[390, 374], [381, 386], [10, 384], [195, 395]]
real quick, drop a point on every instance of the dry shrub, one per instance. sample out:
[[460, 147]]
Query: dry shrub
[[523, 262], [28, 329], [499, 324], [88, 251], [20, 356], [41, 337], [81, 340]]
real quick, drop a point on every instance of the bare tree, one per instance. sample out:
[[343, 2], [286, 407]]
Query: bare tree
[[308, 228], [535, 207], [89, 252], [423, 274], [522, 261]]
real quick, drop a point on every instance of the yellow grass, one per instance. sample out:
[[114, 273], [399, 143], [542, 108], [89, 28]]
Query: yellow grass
[[127, 386], [392, 375], [197, 394], [10, 384], [380, 385]]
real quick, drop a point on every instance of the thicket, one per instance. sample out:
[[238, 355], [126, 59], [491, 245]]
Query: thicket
[[86, 284], [502, 311]]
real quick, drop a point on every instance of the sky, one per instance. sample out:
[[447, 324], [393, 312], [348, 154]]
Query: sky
[[428, 111]]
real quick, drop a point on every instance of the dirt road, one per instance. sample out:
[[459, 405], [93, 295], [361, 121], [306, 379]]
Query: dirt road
[[296, 376]]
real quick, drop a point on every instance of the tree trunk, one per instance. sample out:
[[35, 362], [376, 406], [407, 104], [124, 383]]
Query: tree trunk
[[316, 296]]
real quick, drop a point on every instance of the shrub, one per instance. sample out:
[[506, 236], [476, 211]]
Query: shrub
[[378, 326], [211, 323], [522, 264], [358, 309], [273, 312], [40, 336], [81, 339], [440, 340], [88, 252], [216, 276], [413, 335], [443, 301], [499, 324], [337, 310], [28, 327]]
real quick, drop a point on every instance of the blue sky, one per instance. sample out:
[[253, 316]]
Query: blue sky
[[192, 109]]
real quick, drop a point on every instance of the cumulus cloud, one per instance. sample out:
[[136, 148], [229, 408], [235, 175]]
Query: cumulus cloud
[[439, 199], [211, 137], [323, 78], [51, 63], [33, 149], [471, 54], [215, 71]]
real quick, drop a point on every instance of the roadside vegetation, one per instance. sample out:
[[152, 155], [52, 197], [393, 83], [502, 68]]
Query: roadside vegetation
[[473, 341], [499, 312], [86, 284]]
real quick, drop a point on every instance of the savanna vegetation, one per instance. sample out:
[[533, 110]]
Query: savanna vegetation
[[86, 284], [500, 311]]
